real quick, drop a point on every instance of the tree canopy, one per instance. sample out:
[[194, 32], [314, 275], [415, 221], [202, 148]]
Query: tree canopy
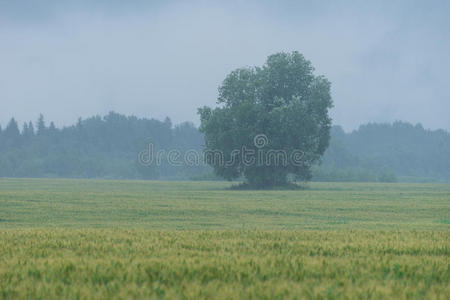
[[277, 112]]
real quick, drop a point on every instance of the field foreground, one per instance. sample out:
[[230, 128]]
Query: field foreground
[[100, 239], [139, 263]]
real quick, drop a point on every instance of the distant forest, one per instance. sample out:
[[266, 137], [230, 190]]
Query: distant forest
[[108, 147]]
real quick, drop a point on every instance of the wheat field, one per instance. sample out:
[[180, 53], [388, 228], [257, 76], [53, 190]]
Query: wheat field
[[99, 239]]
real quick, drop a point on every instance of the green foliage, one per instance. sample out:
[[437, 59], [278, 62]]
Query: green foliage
[[386, 152], [282, 100], [108, 147], [11, 134], [387, 176], [97, 147], [330, 174], [240, 264]]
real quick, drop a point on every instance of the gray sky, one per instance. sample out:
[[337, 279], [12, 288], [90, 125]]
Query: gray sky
[[386, 61]]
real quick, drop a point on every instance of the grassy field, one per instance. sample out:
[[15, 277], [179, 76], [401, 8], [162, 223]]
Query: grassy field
[[137, 239], [209, 205]]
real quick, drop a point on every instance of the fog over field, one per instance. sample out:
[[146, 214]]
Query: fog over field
[[237, 149], [386, 61]]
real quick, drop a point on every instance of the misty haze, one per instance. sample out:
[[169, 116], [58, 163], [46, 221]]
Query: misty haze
[[224, 149], [387, 61]]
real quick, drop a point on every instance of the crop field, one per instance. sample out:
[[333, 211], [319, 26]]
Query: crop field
[[100, 239]]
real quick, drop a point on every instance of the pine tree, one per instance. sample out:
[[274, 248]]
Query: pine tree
[[31, 128], [12, 130], [25, 129], [12, 133], [41, 125]]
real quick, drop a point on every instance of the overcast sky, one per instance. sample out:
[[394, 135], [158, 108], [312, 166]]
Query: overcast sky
[[69, 59]]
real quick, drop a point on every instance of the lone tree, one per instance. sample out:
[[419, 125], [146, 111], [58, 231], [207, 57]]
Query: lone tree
[[271, 121]]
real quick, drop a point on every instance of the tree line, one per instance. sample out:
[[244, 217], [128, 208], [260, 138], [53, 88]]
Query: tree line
[[96, 147], [108, 147], [387, 152]]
